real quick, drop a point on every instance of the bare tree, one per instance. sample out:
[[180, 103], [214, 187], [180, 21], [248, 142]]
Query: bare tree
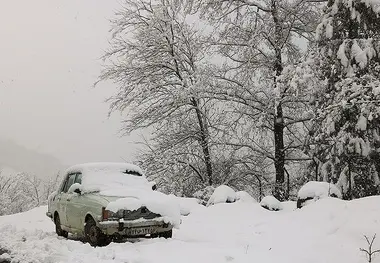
[[32, 187], [22, 191], [14, 194], [257, 40], [369, 251], [156, 59], [50, 185]]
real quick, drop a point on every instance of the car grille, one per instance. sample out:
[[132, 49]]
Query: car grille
[[142, 212]]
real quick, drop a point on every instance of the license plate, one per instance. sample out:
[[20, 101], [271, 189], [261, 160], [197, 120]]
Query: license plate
[[140, 231]]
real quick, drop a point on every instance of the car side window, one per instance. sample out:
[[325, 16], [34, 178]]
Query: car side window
[[69, 182], [78, 178], [63, 187]]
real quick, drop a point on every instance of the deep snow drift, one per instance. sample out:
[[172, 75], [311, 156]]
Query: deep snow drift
[[330, 230]]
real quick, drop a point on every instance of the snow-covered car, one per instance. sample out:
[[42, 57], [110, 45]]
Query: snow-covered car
[[313, 191], [104, 201]]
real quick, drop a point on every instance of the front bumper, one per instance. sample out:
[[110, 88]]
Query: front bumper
[[139, 227]]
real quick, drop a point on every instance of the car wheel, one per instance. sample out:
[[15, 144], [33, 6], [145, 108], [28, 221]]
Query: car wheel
[[94, 235], [58, 228], [166, 234]]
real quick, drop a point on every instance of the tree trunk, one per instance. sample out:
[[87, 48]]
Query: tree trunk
[[349, 192], [316, 169], [279, 162], [287, 193], [204, 140]]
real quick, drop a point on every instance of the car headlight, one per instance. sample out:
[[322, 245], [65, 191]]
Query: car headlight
[[107, 214]]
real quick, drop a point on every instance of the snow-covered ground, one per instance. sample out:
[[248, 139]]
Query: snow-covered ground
[[330, 230]]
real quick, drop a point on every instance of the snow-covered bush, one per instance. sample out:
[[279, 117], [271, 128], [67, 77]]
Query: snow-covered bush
[[271, 203], [243, 196], [222, 194], [187, 204], [316, 190], [21, 192], [204, 194]]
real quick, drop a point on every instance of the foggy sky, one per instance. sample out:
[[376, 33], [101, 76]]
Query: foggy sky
[[49, 59]]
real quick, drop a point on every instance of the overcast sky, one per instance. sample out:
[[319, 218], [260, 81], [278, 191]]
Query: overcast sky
[[49, 59]]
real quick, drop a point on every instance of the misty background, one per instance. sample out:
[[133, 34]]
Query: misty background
[[50, 114]]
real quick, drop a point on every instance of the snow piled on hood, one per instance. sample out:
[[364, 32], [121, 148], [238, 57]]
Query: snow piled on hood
[[156, 202]]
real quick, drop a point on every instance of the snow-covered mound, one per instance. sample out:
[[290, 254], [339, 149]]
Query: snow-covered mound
[[328, 231], [316, 190], [222, 194], [187, 205], [271, 203], [243, 196]]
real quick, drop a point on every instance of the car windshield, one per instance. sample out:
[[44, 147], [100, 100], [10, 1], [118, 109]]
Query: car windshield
[[114, 183]]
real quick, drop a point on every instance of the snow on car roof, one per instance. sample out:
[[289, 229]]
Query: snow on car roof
[[105, 167], [110, 179]]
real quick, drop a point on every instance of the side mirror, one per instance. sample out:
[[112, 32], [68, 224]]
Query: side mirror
[[75, 188]]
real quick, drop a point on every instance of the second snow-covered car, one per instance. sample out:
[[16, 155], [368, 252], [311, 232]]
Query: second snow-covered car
[[102, 201]]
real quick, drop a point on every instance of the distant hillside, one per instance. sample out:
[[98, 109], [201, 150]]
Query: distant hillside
[[18, 158]]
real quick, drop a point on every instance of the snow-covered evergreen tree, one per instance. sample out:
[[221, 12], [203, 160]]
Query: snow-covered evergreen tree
[[347, 103]]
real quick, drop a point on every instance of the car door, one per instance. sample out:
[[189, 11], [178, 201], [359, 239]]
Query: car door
[[59, 205], [74, 207], [62, 199]]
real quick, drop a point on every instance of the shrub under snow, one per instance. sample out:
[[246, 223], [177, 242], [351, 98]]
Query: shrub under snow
[[222, 194], [271, 203], [187, 204], [316, 190]]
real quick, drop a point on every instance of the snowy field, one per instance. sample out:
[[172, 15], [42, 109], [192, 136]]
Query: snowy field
[[330, 230]]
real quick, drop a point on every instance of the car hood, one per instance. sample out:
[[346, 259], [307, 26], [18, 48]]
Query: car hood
[[127, 193], [110, 198], [135, 198]]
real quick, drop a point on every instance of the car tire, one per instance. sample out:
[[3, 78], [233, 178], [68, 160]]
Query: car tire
[[166, 234], [58, 228], [94, 235]]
